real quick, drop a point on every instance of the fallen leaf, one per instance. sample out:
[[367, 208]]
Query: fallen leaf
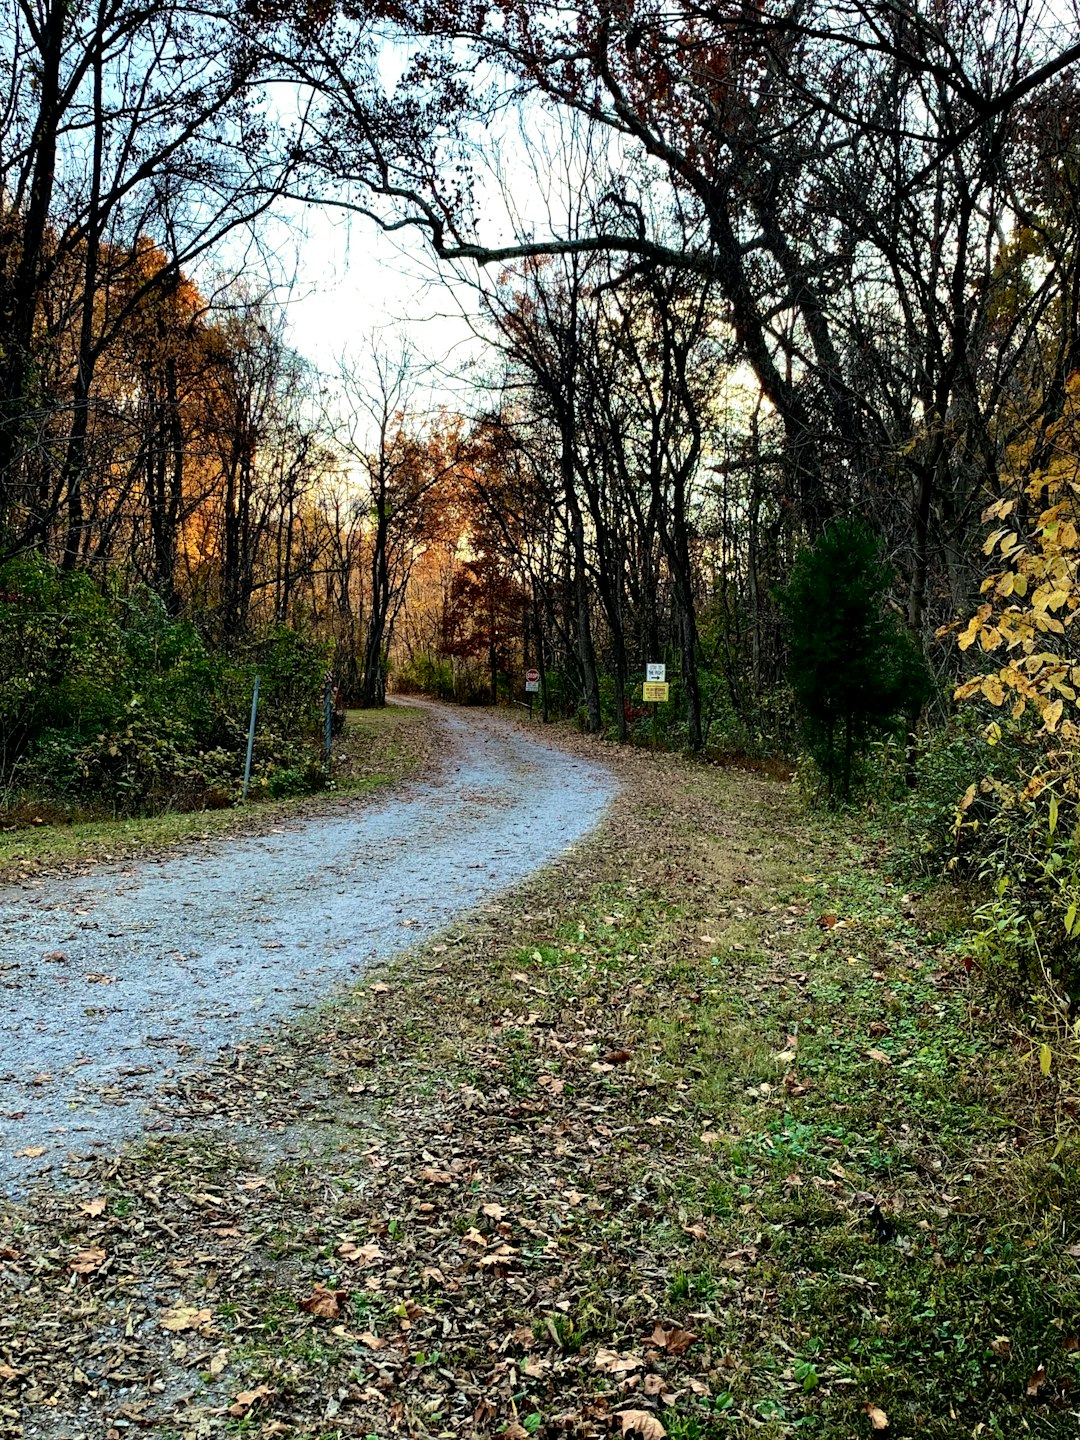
[[1002, 1345], [30, 1153], [93, 1207], [1036, 1381], [87, 1260], [472, 1236], [371, 1341], [7, 1373], [612, 1363], [674, 1340], [185, 1317], [641, 1423], [323, 1302], [710, 1137], [436, 1177], [247, 1398], [879, 1056], [878, 1419], [218, 1362], [359, 1254], [618, 1057], [494, 1210]]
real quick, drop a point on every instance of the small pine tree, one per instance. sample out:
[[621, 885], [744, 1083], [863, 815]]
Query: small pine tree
[[854, 671]]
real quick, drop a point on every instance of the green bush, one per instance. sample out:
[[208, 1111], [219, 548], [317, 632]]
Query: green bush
[[426, 674], [111, 705]]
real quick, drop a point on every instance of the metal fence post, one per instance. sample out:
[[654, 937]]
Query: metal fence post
[[329, 717], [251, 737]]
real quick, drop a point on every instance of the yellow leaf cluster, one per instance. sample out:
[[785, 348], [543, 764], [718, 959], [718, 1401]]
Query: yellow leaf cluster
[[1031, 603]]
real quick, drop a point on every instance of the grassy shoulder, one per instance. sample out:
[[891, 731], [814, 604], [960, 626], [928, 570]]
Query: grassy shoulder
[[708, 1131], [377, 747]]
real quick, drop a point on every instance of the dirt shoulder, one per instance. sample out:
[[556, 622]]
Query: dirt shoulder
[[377, 748], [705, 1131]]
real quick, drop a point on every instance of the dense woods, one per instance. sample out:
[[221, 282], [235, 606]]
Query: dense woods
[[738, 275]]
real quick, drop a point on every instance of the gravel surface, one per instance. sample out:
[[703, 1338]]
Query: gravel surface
[[110, 982]]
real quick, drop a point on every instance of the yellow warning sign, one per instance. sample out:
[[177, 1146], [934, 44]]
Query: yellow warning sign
[[654, 690]]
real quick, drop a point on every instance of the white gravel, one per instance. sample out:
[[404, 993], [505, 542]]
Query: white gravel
[[111, 982]]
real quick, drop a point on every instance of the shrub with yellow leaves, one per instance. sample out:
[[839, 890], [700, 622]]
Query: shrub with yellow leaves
[[1036, 594], [1025, 627]]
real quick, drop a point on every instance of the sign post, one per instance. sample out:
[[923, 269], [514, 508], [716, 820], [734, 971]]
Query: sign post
[[655, 690], [251, 738], [532, 687]]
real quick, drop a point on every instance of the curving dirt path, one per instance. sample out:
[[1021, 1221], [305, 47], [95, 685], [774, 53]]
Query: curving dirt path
[[111, 981]]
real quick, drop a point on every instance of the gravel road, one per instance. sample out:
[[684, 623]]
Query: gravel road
[[111, 982]]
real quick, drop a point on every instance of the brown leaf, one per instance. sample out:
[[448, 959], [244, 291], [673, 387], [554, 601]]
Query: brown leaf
[[185, 1317], [472, 1236], [878, 1419], [1002, 1346], [618, 1057], [641, 1423], [493, 1210], [1036, 1381], [93, 1207], [672, 1339], [612, 1363], [7, 1373], [30, 1153], [879, 1056], [826, 921], [87, 1260], [246, 1398], [359, 1254], [679, 1341], [323, 1302], [371, 1341], [738, 1260], [436, 1177]]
